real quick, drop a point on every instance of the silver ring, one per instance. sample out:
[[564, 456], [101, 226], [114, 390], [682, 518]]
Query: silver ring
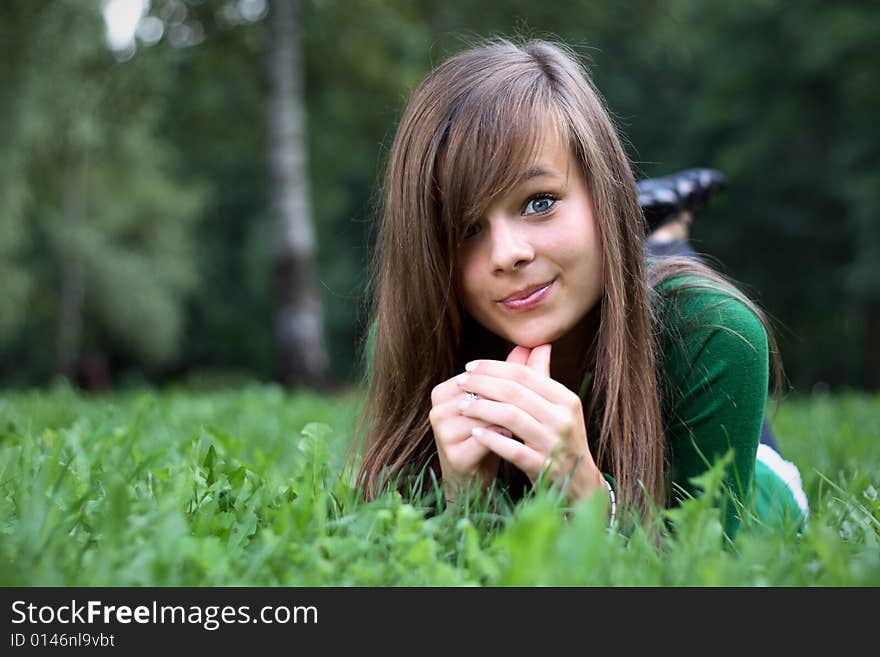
[[471, 396]]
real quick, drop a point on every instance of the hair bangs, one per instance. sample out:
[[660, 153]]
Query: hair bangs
[[492, 138]]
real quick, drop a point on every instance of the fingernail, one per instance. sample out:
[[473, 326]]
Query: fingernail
[[461, 379], [476, 432], [470, 367], [463, 404]]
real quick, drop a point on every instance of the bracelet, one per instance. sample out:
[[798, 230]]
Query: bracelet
[[613, 500]]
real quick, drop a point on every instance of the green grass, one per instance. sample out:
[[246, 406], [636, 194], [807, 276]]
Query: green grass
[[184, 488]]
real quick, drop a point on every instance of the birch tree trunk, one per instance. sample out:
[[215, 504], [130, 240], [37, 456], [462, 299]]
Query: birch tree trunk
[[302, 356]]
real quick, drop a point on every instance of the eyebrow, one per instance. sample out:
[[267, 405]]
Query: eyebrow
[[537, 171]]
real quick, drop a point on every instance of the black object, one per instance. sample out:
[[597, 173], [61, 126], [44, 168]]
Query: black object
[[661, 199]]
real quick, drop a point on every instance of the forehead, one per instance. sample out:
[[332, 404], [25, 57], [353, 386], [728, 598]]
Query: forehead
[[553, 159]]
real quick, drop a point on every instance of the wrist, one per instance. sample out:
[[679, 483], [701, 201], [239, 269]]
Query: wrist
[[586, 482]]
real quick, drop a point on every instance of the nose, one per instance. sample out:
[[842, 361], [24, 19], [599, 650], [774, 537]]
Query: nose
[[510, 248]]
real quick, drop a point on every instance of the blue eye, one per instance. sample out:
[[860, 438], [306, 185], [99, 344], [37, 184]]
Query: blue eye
[[539, 204]]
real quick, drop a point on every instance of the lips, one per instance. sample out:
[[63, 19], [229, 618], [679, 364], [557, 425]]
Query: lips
[[525, 293], [527, 298]]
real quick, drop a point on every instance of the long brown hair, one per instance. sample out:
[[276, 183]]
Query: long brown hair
[[472, 126]]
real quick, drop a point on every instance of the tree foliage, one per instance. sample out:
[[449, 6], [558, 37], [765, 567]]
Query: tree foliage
[[101, 225]]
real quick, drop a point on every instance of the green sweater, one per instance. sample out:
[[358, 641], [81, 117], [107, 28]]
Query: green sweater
[[714, 379]]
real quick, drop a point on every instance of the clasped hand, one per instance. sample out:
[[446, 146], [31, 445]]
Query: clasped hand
[[521, 415]]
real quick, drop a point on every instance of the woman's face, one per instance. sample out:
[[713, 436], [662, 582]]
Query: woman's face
[[531, 268]]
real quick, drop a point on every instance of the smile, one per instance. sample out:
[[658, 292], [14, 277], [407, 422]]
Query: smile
[[528, 298]]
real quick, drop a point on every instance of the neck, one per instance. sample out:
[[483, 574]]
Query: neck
[[570, 352]]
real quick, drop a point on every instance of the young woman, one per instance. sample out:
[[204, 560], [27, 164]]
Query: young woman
[[519, 331]]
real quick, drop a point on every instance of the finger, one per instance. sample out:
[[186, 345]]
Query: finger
[[523, 425], [445, 391], [541, 384], [519, 355], [497, 429], [539, 359], [515, 394], [449, 422], [453, 436], [522, 456], [451, 425], [468, 454]]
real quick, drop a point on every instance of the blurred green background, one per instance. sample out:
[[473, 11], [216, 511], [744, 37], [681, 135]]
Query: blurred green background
[[137, 236]]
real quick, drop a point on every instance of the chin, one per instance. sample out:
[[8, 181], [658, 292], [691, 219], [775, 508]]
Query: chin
[[536, 337]]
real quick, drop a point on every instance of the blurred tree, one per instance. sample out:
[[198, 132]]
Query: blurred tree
[[16, 281], [106, 246], [299, 322], [212, 112], [360, 59]]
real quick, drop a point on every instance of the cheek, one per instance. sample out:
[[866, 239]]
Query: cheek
[[584, 260], [467, 283], [595, 271], [575, 242], [575, 254]]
